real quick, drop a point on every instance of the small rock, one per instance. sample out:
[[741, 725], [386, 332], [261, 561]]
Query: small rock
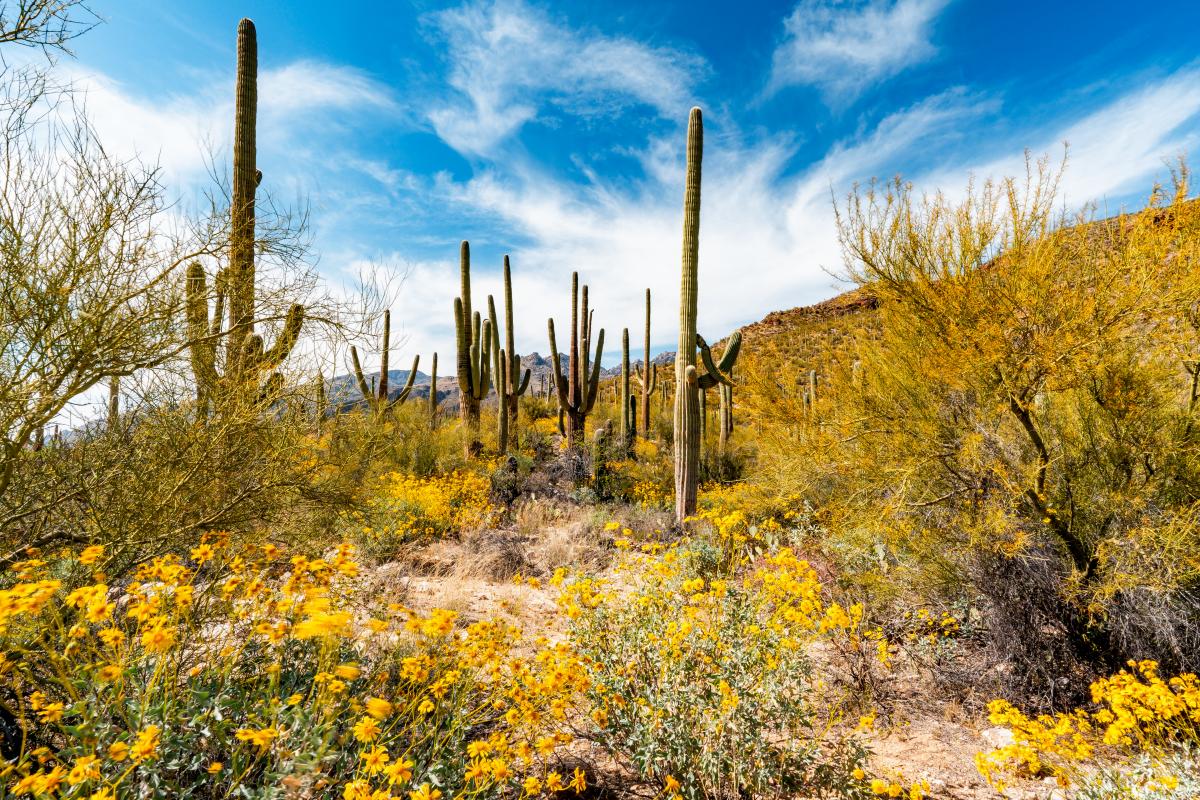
[[997, 737]]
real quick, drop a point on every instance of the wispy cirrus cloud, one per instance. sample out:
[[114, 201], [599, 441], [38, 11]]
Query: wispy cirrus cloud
[[181, 132], [843, 47], [511, 63]]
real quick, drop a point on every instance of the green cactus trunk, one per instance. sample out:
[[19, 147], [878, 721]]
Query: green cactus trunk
[[689, 383], [687, 400], [628, 409], [501, 405]]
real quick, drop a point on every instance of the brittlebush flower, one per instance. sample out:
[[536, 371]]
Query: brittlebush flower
[[379, 708], [366, 729], [425, 792], [145, 747]]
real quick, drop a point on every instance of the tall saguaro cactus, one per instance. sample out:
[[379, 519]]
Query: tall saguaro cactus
[[577, 391], [474, 342], [378, 401], [626, 399], [246, 358], [647, 378], [688, 381]]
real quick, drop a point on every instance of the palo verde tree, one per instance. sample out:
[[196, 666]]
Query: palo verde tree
[[1031, 399]]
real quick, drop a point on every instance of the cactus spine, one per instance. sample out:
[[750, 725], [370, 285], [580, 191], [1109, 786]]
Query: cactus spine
[[377, 400], [577, 391], [474, 341], [246, 356], [688, 382], [647, 377]]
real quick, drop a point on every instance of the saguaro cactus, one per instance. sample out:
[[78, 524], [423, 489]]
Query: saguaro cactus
[[647, 378], [247, 359], [626, 399], [378, 400], [474, 341], [433, 394], [688, 382], [578, 389]]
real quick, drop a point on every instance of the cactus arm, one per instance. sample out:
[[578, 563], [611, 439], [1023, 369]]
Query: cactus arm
[[707, 381], [653, 377], [203, 349], [408, 384], [359, 378], [594, 383], [524, 385], [495, 348], [558, 379], [706, 357], [287, 338], [484, 366], [729, 357]]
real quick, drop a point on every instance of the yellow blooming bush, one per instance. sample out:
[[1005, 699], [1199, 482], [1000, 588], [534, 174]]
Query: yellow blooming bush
[[702, 685], [402, 507], [1137, 718], [241, 672]]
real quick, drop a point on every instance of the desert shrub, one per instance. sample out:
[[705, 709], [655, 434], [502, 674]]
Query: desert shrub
[[247, 672], [400, 508], [1025, 402], [1137, 723], [703, 687]]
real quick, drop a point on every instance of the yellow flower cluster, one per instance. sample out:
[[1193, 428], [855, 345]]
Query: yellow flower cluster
[[406, 506], [1136, 712], [268, 643]]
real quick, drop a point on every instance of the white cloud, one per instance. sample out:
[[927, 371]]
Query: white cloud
[[1115, 150], [509, 60], [845, 46], [180, 132]]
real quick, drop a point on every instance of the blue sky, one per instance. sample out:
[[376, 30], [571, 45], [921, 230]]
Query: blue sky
[[555, 132]]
